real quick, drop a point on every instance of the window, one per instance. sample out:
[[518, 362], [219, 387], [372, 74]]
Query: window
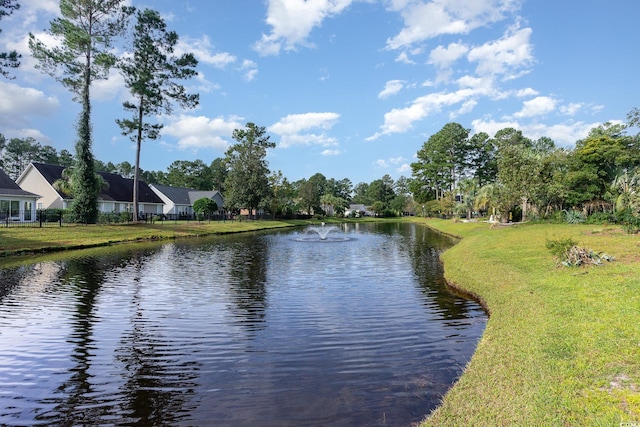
[[27, 211]]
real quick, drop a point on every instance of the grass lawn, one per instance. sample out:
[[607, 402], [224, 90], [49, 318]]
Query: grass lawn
[[17, 240], [562, 345]]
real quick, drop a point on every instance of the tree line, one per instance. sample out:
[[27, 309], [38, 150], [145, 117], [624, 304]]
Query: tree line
[[506, 175], [514, 177]]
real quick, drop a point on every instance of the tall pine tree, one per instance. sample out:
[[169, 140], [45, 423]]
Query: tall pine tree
[[85, 31], [150, 74]]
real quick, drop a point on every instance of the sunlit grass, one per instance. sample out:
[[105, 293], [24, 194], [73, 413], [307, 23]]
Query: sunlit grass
[[15, 240], [562, 346]]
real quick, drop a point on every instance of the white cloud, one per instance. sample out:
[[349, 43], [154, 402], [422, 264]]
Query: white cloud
[[571, 109], [110, 88], [382, 163], [331, 152], [564, 134], [294, 129], [202, 48], [443, 57], [250, 69], [400, 120], [292, 21], [193, 132], [17, 103], [427, 19], [404, 168], [536, 107], [524, 93], [505, 55], [392, 87], [387, 163]]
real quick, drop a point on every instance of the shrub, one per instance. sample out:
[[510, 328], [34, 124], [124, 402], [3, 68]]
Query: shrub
[[569, 254], [574, 217], [559, 247]]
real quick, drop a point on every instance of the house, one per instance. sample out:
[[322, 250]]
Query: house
[[16, 204], [357, 210], [116, 195], [178, 201]]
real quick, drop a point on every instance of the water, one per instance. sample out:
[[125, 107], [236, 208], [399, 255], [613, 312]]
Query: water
[[261, 329]]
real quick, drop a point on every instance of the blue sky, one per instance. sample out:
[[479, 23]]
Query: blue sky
[[352, 88]]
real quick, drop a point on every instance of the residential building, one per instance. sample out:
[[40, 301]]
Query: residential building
[[116, 195], [16, 204], [178, 201]]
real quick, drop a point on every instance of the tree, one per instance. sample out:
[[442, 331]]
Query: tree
[[218, 174], [598, 159], [281, 199], [150, 74], [85, 33], [381, 190], [442, 160], [189, 174], [204, 207], [8, 59], [360, 192], [483, 158], [310, 191], [19, 152], [247, 182]]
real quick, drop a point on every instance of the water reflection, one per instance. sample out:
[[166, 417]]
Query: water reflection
[[257, 329]]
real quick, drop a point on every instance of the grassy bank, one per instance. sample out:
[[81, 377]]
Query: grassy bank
[[18, 240], [562, 346]]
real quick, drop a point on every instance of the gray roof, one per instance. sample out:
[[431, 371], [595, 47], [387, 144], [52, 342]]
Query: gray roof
[[119, 189], [184, 196], [8, 187]]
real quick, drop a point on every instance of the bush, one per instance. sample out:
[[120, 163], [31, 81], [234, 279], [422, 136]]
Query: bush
[[629, 220], [559, 247], [569, 254], [574, 217], [601, 218]]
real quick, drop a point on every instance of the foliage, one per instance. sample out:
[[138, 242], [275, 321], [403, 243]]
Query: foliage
[[204, 207], [442, 160], [150, 74], [569, 254], [573, 216], [247, 182], [560, 246], [8, 59], [629, 219], [84, 33], [19, 152]]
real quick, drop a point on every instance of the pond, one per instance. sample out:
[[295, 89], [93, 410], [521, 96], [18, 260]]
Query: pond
[[271, 329]]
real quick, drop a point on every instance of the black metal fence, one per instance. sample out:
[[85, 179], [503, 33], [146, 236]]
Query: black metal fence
[[39, 218], [60, 217]]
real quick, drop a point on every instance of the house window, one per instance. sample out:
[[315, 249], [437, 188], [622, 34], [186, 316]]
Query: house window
[[9, 208], [27, 211]]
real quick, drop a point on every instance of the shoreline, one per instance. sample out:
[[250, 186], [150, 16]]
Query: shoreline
[[561, 346]]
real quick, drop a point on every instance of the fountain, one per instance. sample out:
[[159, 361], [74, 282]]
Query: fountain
[[323, 231], [322, 234]]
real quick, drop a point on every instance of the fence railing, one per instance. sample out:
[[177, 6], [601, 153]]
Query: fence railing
[[60, 217]]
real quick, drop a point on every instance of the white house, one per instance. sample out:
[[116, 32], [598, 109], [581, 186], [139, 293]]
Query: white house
[[115, 197], [16, 204], [179, 201]]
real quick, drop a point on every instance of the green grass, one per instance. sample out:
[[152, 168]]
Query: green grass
[[562, 345], [19, 240]]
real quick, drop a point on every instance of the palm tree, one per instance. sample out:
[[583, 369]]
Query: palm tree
[[468, 189], [626, 190]]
